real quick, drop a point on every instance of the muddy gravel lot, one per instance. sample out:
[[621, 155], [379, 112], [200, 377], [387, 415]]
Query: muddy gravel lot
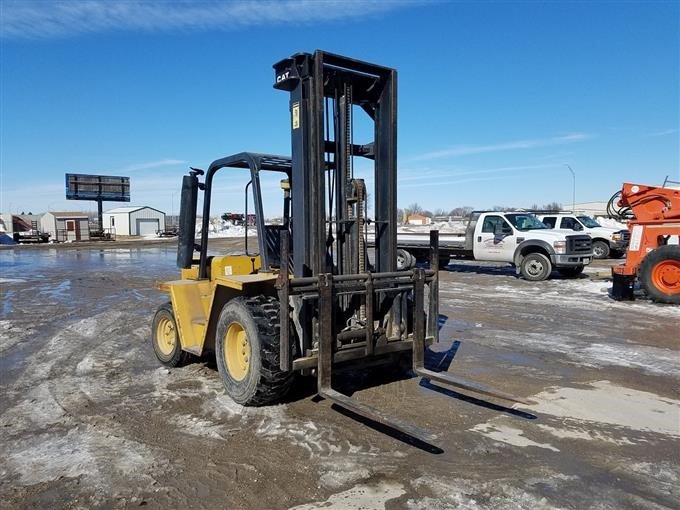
[[90, 420]]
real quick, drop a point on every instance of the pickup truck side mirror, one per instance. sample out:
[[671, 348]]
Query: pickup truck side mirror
[[577, 227]]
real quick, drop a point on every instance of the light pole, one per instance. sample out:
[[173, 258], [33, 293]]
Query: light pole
[[172, 205], [573, 194]]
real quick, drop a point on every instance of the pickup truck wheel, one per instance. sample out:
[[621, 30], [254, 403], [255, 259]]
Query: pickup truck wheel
[[570, 272], [535, 267], [404, 260], [659, 274], [600, 250]]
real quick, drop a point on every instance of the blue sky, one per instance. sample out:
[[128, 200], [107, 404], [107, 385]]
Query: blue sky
[[494, 97]]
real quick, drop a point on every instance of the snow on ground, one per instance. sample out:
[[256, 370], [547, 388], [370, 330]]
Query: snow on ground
[[611, 223], [222, 228]]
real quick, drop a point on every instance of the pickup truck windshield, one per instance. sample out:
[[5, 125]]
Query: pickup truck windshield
[[525, 222], [588, 221]]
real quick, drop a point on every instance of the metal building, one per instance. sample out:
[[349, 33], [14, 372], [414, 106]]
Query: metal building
[[66, 226], [134, 221]]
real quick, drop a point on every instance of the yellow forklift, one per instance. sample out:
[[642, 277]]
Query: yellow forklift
[[315, 297]]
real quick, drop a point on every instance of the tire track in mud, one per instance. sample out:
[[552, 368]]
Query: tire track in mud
[[72, 433]]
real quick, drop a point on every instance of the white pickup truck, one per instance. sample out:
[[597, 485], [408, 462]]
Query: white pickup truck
[[607, 242], [518, 238]]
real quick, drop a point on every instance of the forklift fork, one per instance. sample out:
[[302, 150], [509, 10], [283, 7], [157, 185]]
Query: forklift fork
[[325, 354]]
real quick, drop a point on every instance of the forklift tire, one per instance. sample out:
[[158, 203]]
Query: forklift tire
[[165, 340], [570, 272], [659, 274], [600, 250], [404, 260], [535, 267], [247, 351]]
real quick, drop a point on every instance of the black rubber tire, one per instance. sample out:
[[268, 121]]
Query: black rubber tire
[[264, 383], [535, 267], [177, 357], [570, 272], [404, 260], [600, 250], [646, 269]]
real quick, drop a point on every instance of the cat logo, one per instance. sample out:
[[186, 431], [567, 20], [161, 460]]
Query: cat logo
[[283, 76]]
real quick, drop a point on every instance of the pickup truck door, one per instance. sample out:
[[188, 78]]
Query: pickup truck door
[[494, 239]]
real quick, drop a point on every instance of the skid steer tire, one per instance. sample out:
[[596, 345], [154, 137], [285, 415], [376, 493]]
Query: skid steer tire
[[535, 267], [659, 274], [165, 338], [247, 351]]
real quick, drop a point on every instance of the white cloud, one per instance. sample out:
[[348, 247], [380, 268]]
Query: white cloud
[[665, 132], [439, 174], [465, 150], [34, 19], [161, 163]]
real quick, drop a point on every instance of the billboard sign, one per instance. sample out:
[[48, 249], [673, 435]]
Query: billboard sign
[[107, 188]]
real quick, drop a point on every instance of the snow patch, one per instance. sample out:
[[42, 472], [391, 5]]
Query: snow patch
[[12, 280], [11, 334], [88, 453], [587, 435], [614, 405], [360, 497], [509, 435], [474, 495]]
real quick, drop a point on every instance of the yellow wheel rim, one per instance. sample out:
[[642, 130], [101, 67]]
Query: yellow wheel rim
[[237, 351], [165, 336]]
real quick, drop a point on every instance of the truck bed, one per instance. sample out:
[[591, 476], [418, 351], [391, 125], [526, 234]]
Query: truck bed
[[447, 241]]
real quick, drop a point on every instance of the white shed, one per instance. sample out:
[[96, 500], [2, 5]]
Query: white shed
[[66, 226], [134, 220]]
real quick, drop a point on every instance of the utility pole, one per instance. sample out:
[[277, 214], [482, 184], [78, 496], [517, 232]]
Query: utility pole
[[573, 193]]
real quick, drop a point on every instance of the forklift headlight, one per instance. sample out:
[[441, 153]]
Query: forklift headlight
[[560, 246]]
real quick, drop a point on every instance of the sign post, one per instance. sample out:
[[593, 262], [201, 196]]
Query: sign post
[[99, 188]]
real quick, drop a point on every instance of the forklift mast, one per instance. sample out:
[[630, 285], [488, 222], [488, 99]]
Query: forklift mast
[[312, 300], [328, 216]]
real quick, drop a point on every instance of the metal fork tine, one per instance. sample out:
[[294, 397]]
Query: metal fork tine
[[376, 415], [471, 386]]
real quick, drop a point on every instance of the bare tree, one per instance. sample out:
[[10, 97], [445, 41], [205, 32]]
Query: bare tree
[[414, 208], [461, 212]]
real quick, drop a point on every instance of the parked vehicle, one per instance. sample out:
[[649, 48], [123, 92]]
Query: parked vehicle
[[653, 214], [518, 238], [607, 242]]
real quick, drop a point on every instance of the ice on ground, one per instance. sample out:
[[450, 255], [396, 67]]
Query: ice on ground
[[80, 452], [509, 435], [456, 493], [582, 433], [12, 280], [11, 334], [609, 404], [360, 497]]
